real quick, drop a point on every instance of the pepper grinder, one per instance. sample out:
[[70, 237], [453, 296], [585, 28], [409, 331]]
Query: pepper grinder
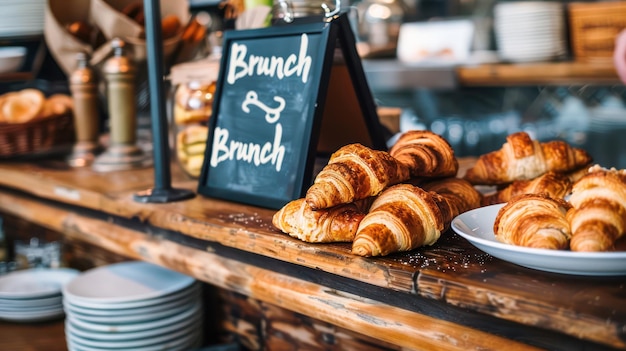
[[85, 98], [122, 152]]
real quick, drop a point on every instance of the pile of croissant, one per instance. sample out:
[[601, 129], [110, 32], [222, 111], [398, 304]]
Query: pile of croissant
[[385, 202], [554, 198], [382, 201]]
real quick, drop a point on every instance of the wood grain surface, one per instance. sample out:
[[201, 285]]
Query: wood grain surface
[[471, 290]]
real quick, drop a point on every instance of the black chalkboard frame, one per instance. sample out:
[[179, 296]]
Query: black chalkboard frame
[[333, 33]]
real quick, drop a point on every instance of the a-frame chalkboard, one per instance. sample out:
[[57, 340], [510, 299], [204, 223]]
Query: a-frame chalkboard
[[270, 115]]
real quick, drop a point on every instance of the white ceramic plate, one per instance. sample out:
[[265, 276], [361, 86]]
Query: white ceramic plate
[[132, 327], [35, 283], [189, 324], [130, 318], [125, 282], [118, 312], [477, 227], [95, 305], [36, 302], [32, 316], [158, 340], [185, 343], [30, 308]]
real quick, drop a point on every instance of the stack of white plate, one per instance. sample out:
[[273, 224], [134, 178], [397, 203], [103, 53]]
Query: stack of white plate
[[21, 18], [133, 306], [33, 295], [530, 31]]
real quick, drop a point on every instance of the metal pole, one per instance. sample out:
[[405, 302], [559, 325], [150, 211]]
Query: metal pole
[[163, 191]]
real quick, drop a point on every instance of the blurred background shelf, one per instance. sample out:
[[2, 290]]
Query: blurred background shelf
[[545, 73], [390, 74]]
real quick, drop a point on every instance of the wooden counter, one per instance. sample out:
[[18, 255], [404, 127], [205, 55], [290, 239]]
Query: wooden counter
[[450, 296]]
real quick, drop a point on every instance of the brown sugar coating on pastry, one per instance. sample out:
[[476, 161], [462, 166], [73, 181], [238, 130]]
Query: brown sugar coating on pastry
[[522, 158], [354, 172], [335, 224], [555, 185], [598, 216], [534, 220], [402, 218], [426, 154]]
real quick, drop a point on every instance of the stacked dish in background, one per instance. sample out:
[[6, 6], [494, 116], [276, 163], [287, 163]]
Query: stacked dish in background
[[22, 18], [34, 295], [133, 305], [530, 31]]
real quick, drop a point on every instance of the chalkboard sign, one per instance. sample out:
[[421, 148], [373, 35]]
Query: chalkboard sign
[[269, 106]]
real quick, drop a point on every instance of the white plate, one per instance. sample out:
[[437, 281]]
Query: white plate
[[33, 283], [92, 305], [477, 227], [36, 316], [183, 300], [5, 308], [131, 327], [132, 318], [36, 302], [159, 340], [189, 324], [185, 343], [125, 282]]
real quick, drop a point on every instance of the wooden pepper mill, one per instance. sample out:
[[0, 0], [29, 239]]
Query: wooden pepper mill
[[83, 86], [122, 152]]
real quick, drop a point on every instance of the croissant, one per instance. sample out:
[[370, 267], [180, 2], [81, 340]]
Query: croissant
[[354, 172], [403, 217], [461, 195], [522, 158], [335, 224], [555, 185], [426, 154], [533, 220], [598, 216]]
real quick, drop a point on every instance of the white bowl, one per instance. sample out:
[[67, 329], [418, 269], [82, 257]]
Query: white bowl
[[11, 58]]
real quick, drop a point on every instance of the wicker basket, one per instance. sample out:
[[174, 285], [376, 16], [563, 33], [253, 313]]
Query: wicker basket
[[594, 27], [41, 135]]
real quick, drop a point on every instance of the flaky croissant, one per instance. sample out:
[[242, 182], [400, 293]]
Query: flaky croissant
[[598, 214], [522, 158], [461, 195], [426, 154], [354, 172], [533, 220], [402, 218], [554, 184], [335, 224]]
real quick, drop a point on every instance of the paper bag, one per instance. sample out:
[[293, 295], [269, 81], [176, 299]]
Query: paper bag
[[105, 16]]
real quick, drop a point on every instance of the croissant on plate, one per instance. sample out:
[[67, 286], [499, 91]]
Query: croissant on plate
[[534, 220], [460, 194], [426, 154], [335, 224], [354, 172], [555, 185], [598, 214], [522, 158], [403, 217]]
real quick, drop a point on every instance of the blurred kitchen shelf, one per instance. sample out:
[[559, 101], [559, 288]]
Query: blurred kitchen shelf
[[392, 75], [546, 73]]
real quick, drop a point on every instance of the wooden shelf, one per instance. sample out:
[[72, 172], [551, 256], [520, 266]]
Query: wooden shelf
[[391, 75], [554, 73]]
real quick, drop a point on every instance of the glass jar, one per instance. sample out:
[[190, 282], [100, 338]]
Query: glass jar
[[194, 87]]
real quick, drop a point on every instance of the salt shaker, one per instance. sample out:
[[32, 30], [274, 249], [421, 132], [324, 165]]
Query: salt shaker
[[122, 152], [83, 87]]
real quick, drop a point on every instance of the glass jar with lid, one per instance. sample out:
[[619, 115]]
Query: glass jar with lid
[[194, 85]]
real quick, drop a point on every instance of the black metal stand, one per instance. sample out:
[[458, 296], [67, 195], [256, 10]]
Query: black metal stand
[[162, 191]]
